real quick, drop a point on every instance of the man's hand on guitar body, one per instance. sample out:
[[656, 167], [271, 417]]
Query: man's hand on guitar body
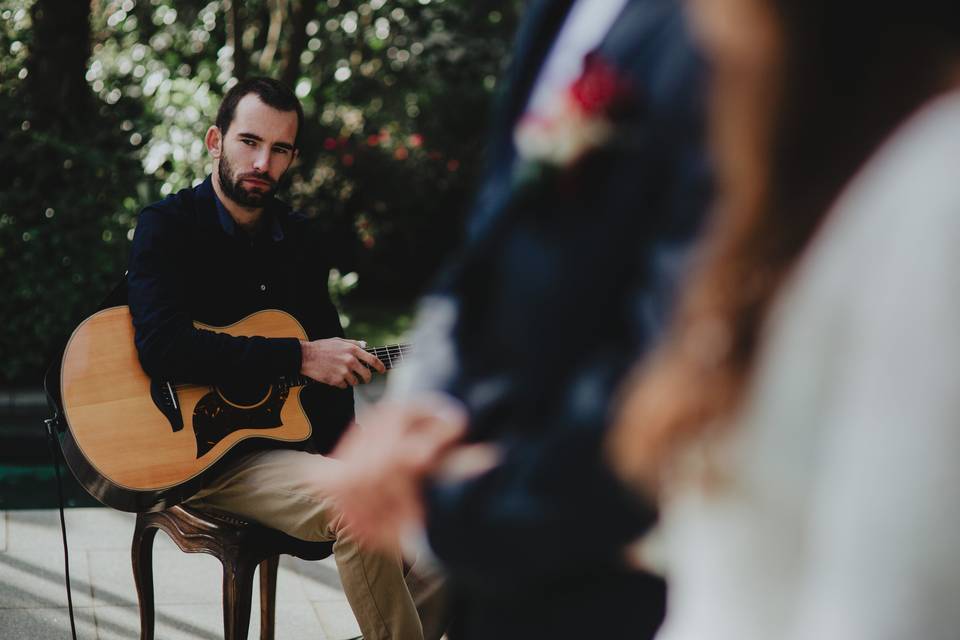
[[338, 362]]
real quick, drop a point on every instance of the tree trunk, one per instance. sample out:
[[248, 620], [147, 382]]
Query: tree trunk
[[56, 84], [235, 38], [278, 9], [301, 13]]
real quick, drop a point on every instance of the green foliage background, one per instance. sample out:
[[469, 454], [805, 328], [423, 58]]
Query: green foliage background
[[395, 92]]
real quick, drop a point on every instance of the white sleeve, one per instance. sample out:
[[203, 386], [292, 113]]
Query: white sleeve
[[885, 515], [432, 360]]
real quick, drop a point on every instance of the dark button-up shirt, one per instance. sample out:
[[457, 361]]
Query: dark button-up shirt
[[190, 262]]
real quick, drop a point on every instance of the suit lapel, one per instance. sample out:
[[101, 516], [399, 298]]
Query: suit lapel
[[534, 40], [539, 29]]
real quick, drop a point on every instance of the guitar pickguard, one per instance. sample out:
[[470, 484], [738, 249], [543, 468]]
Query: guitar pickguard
[[164, 396], [214, 418]]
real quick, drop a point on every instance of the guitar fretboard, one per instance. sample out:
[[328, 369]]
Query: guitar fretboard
[[390, 355]]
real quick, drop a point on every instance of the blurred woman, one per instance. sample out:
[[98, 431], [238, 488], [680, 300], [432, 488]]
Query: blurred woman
[[801, 424]]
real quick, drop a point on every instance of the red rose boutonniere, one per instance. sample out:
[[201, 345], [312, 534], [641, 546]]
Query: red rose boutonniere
[[586, 119]]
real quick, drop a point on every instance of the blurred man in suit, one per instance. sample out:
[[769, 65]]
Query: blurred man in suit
[[595, 187]]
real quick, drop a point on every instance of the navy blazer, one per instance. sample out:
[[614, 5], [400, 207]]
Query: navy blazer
[[562, 286]]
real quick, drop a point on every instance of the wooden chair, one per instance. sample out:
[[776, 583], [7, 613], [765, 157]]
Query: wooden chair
[[240, 546]]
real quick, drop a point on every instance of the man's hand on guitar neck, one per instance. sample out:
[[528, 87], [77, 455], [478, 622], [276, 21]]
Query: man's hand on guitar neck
[[338, 362]]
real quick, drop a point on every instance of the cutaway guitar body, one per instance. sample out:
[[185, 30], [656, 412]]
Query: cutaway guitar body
[[138, 444]]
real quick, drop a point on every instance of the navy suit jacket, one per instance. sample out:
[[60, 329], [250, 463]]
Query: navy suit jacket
[[562, 285]]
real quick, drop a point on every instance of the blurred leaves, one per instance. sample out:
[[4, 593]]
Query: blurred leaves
[[395, 92]]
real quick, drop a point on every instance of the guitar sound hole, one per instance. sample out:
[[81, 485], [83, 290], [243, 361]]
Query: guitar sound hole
[[244, 394]]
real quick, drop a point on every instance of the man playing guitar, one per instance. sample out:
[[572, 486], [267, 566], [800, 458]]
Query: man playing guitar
[[227, 248]]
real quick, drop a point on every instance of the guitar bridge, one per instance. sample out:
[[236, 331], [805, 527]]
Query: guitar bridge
[[165, 398]]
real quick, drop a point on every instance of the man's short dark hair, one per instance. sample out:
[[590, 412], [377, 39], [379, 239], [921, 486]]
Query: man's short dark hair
[[273, 93]]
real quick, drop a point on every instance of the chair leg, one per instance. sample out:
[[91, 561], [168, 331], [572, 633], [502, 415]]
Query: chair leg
[[237, 592], [142, 556], [268, 596]]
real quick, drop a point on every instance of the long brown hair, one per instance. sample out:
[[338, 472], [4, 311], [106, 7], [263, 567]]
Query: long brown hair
[[786, 141]]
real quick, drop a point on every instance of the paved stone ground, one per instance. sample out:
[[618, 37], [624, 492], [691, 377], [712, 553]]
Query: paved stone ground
[[33, 600]]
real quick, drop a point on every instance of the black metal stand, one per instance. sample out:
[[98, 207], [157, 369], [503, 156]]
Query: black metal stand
[[53, 425]]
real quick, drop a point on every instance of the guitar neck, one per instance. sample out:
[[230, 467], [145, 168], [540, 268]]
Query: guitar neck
[[390, 355]]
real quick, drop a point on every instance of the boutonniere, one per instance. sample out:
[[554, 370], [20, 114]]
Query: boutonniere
[[584, 121]]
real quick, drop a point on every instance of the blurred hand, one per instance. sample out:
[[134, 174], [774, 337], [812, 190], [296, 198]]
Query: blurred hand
[[466, 461], [337, 362], [384, 461]]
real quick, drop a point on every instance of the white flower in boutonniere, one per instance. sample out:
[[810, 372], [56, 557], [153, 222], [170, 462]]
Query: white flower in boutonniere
[[583, 122]]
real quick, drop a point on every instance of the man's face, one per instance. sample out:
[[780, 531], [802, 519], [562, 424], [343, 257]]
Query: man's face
[[255, 152]]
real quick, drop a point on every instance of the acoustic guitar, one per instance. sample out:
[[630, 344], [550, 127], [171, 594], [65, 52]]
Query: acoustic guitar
[[138, 444]]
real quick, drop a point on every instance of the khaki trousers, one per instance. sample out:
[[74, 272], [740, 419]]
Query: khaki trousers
[[284, 490]]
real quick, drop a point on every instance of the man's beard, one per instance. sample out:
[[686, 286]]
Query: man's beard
[[230, 183]]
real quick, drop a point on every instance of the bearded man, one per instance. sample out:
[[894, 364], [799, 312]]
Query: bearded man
[[219, 252]]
